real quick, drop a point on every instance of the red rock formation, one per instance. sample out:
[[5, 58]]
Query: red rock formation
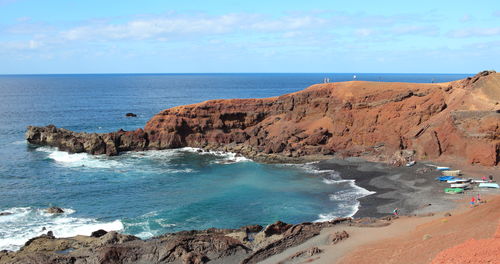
[[372, 119]]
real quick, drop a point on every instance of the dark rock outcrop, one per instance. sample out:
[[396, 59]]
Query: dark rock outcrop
[[369, 119], [98, 233], [5, 213], [130, 115], [294, 236], [277, 228], [54, 210], [252, 228], [337, 237]]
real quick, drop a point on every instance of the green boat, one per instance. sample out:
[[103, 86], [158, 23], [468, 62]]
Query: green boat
[[453, 190]]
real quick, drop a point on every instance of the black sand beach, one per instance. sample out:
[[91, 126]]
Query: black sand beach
[[413, 190]]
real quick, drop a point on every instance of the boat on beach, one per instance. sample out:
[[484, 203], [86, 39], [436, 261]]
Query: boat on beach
[[442, 168], [489, 185], [460, 185], [445, 178], [411, 163], [453, 190], [451, 173], [458, 180], [478, 181]]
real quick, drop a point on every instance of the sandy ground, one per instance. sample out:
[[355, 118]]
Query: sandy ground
[[421, 242], [416, 237], [410, 239]]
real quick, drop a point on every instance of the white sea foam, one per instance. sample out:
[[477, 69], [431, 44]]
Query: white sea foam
[[26, 222], [166, 154], [19, 142], [224, 157], [346, 198], [74, 160], [129, 160]]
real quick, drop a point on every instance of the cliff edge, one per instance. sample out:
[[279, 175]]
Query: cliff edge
[[390, 122]]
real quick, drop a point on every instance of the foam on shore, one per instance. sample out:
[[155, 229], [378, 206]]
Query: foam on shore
[[129, 160], [346, 195], [26, 222]]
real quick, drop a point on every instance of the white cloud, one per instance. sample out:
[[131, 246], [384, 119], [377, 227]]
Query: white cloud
[[162, 27], [21, 45], [414, 29], [475, 32], [364, 32]]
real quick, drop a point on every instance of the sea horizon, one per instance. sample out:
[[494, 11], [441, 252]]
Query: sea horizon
[[229, 73]]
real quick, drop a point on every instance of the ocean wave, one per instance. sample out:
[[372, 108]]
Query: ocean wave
[[27, 222], [346, 201], [74, 160], [225, 157], [132, 160], [19, 142], [346, 197]]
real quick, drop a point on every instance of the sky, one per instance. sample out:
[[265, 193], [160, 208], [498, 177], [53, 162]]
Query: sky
[[201, 36]]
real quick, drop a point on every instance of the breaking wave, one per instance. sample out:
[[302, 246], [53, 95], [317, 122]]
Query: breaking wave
[[224, 157], [26, 222], [346, 192], [130, 160]]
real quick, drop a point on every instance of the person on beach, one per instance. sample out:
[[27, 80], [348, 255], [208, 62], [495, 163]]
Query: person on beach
[[483, 178], [472, 201], [396, 212], [491, 178], [478, 198]]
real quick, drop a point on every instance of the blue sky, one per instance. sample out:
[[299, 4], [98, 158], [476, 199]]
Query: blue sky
[[90, 36]]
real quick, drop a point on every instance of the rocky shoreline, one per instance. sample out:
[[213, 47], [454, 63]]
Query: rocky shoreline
[[386, 122], [249, 244]]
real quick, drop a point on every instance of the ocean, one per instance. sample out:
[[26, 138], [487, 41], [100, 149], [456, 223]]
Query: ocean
[[153, 192]]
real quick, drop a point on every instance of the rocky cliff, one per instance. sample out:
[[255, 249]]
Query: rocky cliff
[[389, 122]]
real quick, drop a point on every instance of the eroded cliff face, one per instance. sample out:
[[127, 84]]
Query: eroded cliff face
[[458, 120]]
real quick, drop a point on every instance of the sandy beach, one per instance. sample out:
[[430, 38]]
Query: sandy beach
[[430, 222]]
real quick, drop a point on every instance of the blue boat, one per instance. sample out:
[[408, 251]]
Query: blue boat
[[445, 178]]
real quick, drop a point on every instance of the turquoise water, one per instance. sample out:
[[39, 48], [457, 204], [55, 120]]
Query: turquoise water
[[153, 192]]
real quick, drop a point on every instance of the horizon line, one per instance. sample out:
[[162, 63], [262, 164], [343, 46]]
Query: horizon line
[[200, 73]]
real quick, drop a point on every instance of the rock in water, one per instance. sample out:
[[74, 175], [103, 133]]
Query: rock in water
[[54, 210], [130, 115], [5, 213]]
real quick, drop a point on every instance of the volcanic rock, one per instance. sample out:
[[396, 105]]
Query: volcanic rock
[[211, 245], [54, 210], [98, 233], [277, 228], [252, 228], [338, 237], [130, 115], [454, 120]]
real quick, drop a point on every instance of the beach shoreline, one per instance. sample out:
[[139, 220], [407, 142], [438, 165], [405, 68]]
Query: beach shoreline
[[394, 187], [413, 190]]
